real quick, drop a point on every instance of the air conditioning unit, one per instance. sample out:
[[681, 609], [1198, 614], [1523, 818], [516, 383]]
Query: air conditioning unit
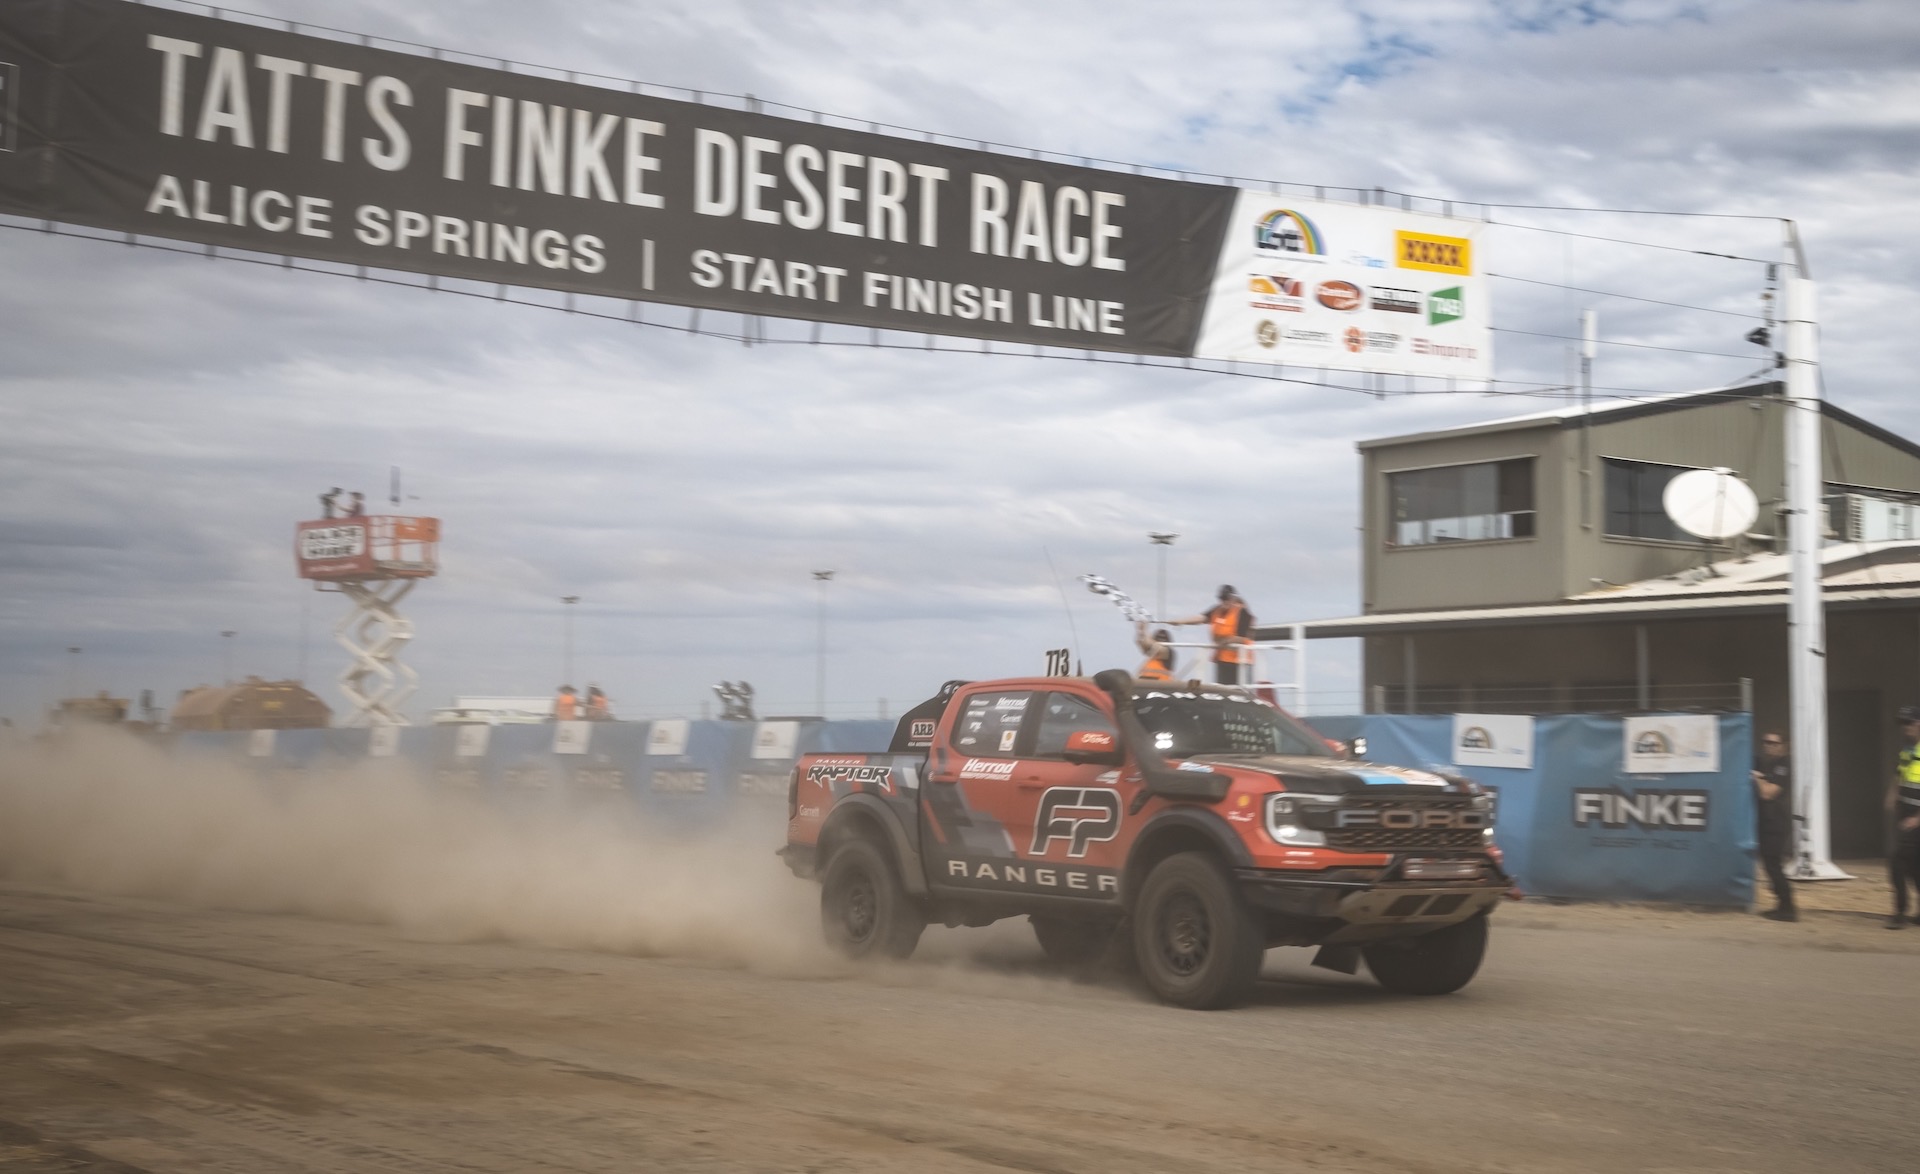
[[1856, 517]]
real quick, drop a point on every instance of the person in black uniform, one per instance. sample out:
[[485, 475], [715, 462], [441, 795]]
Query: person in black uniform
[[1903, 818], [1773, 817]]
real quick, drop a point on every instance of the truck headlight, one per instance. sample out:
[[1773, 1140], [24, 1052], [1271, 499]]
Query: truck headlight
[[1283, 823]]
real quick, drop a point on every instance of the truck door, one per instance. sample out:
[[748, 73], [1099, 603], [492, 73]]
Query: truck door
[[1069, 812], [970, 795]]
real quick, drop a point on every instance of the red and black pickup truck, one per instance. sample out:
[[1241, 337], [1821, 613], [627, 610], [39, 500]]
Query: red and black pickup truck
[[1194, 823]]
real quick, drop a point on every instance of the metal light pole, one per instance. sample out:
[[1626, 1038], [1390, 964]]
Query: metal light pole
[[73, 669], [1806, 605], [820, 580], [566, 663], [1162, 541], [226, 655]]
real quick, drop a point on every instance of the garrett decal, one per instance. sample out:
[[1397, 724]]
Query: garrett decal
[[1648, 808], [1078, 815], [1339, 295]]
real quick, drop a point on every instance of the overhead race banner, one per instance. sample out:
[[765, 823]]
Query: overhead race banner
[[163, 123], [1344, 287]]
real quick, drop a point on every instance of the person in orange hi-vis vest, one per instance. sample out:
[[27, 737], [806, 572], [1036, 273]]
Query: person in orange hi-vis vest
[[1159, 651], [598, 709], [566, 707], [1231, 625]]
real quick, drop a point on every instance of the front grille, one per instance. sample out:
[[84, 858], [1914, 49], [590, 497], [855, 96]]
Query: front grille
[[1379, 839], [1398, 839]]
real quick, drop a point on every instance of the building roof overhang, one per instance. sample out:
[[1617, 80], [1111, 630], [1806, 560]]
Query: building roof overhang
[[1856, 576]]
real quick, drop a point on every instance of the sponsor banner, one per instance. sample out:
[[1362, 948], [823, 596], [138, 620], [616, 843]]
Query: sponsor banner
[[155, 121], [572, 737], [775, 739], [667, 738], [1576, 824], [1348, 287], [471, 741], [1671, 743], [1500, 740]]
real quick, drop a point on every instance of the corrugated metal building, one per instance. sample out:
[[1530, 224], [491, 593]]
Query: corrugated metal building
[[1526, 565]]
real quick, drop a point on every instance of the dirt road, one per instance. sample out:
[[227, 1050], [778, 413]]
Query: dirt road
[[138, 1035]]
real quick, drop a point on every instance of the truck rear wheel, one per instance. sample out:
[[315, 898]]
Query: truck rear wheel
[[1070, 942], [864, 911], [1195, 941], [1438, 963]]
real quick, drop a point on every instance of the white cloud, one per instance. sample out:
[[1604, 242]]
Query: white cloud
[[164, 420]]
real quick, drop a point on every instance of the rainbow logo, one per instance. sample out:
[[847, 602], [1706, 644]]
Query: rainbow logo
[[1286, 231]]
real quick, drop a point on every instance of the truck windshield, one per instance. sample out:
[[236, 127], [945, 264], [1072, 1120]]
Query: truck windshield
[[1184, 724]]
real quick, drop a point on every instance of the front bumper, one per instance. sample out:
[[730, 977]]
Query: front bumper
[[1341, 907]]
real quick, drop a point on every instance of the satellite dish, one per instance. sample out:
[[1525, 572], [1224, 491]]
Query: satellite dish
[[1710, 503]]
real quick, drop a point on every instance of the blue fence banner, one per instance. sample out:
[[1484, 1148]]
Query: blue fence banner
[[1573, 825], [1577, 825]]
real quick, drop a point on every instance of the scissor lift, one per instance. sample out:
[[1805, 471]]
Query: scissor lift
[[374, 561]]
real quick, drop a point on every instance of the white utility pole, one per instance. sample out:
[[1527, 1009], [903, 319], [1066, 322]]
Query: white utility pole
[[820, 581], [1806, 607], [1162, 541]]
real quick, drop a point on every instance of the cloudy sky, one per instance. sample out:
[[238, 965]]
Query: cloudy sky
[[164, 420]]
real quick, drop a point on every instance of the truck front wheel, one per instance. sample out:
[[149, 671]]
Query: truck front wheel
[[864, 912], [1438, 963], [1195, 941]]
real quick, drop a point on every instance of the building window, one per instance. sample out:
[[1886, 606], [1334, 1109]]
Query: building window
[[1634, 509], [1461, 503]]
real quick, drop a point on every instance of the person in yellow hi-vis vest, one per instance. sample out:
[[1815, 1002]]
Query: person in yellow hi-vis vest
[[1903, 814]]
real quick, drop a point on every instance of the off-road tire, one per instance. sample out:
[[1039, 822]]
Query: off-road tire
[[1194, 940], [1437, 963], [864, 911], [1072, 943]]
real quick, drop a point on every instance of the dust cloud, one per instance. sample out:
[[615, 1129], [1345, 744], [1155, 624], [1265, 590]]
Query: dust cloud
[[373, 842]]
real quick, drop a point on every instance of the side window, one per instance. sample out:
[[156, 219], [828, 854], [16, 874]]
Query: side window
[[988, 724], [1066, 714]]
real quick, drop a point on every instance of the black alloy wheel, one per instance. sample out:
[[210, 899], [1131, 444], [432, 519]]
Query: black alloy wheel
[[1196, 943], [864, 911]]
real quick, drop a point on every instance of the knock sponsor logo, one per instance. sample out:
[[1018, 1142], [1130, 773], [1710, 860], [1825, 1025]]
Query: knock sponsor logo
[[1079, 815], [1446, 305], [1435, 254], [1650, 809]]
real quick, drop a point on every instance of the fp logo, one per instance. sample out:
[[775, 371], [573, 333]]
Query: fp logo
[[1078, 815]]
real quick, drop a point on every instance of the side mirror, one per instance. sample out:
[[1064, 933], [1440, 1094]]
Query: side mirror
[[1093, 747]]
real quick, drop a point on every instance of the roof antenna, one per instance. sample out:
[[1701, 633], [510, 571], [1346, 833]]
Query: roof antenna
[[1062, 587], [393, 487]]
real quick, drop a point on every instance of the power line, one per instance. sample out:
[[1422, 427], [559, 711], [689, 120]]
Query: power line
[[925, 343], [1619, 240], [1629, 297], [1645, 346]]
